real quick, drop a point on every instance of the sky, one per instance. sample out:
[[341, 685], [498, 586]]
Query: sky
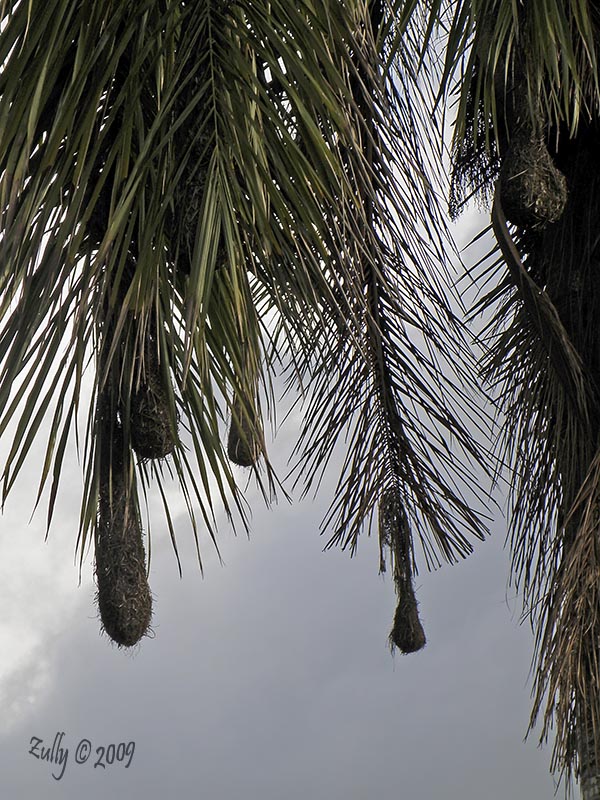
[[267, 678], [270, 678]]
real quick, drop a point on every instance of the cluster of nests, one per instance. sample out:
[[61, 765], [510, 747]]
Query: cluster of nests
[[138, 421], [143, 426]]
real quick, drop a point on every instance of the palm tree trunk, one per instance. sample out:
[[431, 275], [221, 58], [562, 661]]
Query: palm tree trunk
[[587, 746]]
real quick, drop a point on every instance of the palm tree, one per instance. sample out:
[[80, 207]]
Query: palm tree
[[526, 141], [197, 196]]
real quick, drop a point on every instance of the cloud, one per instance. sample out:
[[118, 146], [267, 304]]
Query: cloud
[[271, 678]]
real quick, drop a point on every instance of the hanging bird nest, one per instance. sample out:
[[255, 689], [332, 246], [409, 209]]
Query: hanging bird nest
[[244, 443], [512, 146], [407, 632], [534, 191], [124, 597], [153, 433]]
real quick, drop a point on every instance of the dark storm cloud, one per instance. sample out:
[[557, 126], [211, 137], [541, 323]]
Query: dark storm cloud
[[271, 679]]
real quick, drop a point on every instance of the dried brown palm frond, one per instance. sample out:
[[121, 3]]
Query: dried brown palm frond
[[545, 360], [528, 114], [543, 319], [567, 256], [475, 163], [569, 642], [378, 383]]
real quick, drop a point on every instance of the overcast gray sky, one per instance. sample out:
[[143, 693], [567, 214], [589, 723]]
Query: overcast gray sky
[[269, 679]]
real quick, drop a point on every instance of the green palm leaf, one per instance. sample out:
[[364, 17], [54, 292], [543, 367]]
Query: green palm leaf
[[193, 193]]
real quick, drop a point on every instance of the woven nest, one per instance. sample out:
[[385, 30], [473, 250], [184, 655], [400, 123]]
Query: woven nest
[[124, 597], [243, 442], [534, 191], [407, 633], [152, 434]]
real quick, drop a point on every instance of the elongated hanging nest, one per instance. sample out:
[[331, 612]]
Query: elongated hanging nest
[[124, 597], [152, 429], [244, 443], [407, 632]]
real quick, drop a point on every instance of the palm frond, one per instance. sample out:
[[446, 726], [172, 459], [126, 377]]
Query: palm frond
[[514, 64], [544, 360], [173, 174], [386, 388], [525, 78]]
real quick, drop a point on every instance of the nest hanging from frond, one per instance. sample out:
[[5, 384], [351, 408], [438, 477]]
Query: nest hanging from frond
[[151, 425], [244, 441], [124, 597], [407, 632], [503, 134], [534, 191], [137, 166]]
